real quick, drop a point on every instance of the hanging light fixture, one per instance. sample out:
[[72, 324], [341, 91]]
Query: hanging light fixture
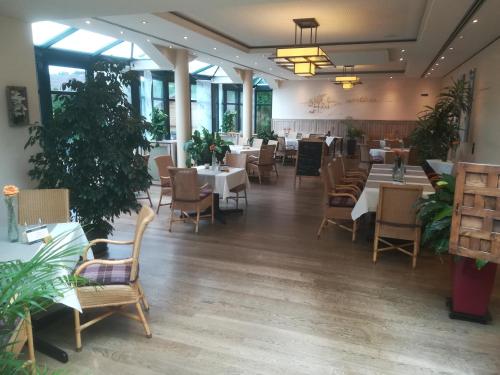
[[303, 58], [348, 80]]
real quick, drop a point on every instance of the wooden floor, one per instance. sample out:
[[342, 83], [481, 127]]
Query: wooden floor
[[261, 295]]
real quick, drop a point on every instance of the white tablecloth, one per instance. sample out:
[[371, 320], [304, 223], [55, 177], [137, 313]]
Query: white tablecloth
[[21, 251], [292, 143], [380, 152], [382, 173], [223, 182], [237, 149], [440, 166]]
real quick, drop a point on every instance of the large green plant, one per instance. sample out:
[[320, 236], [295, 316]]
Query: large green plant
[[435, 214], [354, 133], [90, 147], [229, 122], [199, 147], [159, 129], [33, 285], [265, 133], [438, 126]]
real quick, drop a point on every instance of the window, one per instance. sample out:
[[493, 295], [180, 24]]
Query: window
[[231, 101], [124, 50], [263, 108], [59, 75], [158, 97]]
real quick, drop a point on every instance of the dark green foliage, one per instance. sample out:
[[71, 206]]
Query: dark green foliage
[[198, 147], [265, 133], [159, 130], [354, 133], [229, 122], [90, 148], [438, 126]]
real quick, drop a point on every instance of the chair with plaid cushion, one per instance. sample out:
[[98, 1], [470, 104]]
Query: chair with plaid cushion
[[113, 283], [188, 196], [163, 162], [339, 202]]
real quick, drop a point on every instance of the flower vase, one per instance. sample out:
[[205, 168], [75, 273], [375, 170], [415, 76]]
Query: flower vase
[[398, 171], [214, 161], [12, 228]]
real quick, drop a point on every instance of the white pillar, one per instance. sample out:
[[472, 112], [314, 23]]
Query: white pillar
[[247, 76], [182, 104]]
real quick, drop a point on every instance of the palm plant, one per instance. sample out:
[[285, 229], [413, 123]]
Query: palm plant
[[439, 126], [33, 286]]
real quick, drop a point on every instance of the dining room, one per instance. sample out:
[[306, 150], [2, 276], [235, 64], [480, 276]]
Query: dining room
[[250, 187]]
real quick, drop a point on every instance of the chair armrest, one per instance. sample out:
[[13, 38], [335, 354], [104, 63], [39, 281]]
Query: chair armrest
[[343, 195], [103, 240], [87, 263], [348, 186]]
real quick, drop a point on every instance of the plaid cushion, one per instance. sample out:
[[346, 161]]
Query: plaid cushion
[[341, 202], [108, 274], [205, 192], [378, 159]]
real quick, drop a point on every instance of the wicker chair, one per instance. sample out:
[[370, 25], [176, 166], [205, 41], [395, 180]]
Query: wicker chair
[[117, 281], [147, 196], [337, 169], [257, 142], [284, 153], [22, 334], [164, 162], [397, 219], [237, 161], [264, 164], [339, 202], [356, 173], [189, 196], [47, 205]]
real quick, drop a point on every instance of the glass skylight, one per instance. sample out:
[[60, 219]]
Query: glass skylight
[[46, 30], [196, 65], [220, 73], [84, 41], [124, 49], [139, 53], [210, 71]]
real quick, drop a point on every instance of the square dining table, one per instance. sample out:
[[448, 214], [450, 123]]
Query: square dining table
[[382, 173]]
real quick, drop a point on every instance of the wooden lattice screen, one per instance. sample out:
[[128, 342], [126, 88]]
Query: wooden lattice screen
[[475, 227]]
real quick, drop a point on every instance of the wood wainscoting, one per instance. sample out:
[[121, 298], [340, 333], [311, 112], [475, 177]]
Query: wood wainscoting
[[373, 129]]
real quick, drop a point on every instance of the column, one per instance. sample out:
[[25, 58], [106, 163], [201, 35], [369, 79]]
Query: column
[[247, 76], [182, 104]]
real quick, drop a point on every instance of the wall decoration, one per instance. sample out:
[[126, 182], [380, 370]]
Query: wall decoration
[[17, 105]]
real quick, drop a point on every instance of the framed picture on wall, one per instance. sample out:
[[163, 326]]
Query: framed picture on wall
[[17, 105]]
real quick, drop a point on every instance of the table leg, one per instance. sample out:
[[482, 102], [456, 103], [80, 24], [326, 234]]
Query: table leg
[[49, 350], [39, 323]]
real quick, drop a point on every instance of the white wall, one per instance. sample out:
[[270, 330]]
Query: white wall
[[485, 117], [375, 99], [17, 68]]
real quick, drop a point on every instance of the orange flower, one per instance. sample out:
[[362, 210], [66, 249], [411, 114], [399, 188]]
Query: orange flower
[[10, 190], [212, 148]]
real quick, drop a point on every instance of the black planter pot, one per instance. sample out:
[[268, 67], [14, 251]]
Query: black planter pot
[[100, 250], [351, 147]]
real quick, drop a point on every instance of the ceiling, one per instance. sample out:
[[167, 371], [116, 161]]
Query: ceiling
[[397, 38]]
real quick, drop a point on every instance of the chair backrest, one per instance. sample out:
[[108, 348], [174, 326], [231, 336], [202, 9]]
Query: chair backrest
[[266, 155], [396, 211], [389, 157], [272, 142], [47, 205], [185, 186], [413, 156], [163, 163], [373, 143], [281, 144], [257, 142], [364, 153], [292, 134], [236, 160], [146, 215]]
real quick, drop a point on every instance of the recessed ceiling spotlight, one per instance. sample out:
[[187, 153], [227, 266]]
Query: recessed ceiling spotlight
[[437, 64], [475, 21], [170, 46], [237, 57], [215, 48], [87, 22], [461, 37], [432, 68], [428, 73], [401, 59], [442, 57], [144, 22], [451, 48], [185, 37], [121, 32], [403, 50], [390, 77], [148, 40]]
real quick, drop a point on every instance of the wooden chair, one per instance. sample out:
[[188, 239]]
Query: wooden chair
[[22, 334], [396, 219], [116, 281], [337, 169], [274, 143], [48, 205], [356, 173], [164, 162], [237, 161], [284, 153], [257, 142], [189, 196], [264, 164], [339, 202], [148, 196]]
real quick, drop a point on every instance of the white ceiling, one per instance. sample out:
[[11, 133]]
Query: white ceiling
[[370, 34]]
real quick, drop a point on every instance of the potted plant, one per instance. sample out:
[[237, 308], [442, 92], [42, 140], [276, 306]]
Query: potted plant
[[159, 130], [438, 126], [90, 147], [265, 133], [352, 136], [472, 280], [229, 122], [201, 146], [31, 287]]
